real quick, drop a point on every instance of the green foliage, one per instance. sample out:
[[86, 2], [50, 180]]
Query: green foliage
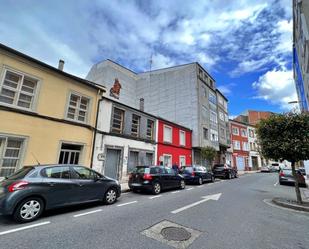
[[285, 136], [208, 153]]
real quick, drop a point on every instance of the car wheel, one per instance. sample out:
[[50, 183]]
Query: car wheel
[[200, 181], [110, 196], [182, 184], [229, 176], [28, 210], [156, 188]]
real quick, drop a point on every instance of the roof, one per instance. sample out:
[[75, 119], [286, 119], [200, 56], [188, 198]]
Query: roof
[[146, 113], [238, 122], [221, 94], [54, 69]]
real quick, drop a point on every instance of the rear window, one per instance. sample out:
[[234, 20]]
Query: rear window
[[199, 169], [141, 170], [19, 174], [186, 169]]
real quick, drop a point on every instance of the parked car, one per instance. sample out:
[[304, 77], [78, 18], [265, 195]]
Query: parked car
[[225, 171], [275, 166], [302, 171], [155, 179], [34, 189], [286, 177], [196, 174], [268, 169]]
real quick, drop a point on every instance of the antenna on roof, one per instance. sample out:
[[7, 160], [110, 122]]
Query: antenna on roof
[[35, 159]]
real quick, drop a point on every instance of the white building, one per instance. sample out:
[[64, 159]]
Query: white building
[[255, 161], [125, 139]]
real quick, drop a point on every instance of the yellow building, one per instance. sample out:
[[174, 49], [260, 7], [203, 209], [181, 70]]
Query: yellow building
[[46, 115]]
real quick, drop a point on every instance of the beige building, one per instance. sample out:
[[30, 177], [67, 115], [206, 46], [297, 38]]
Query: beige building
[[46, 115]]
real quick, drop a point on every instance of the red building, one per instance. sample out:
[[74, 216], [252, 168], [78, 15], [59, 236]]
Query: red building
[[174, 144], [240, 145]]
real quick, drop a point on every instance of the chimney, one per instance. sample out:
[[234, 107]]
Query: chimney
[[61, 65], [141, 104]]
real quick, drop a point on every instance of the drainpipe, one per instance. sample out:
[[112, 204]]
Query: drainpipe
[[95, 129]]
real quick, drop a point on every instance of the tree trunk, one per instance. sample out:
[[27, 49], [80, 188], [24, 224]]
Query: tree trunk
[[298, 195]]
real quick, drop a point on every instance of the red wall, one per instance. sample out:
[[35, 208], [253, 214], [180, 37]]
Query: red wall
[[174, 148]]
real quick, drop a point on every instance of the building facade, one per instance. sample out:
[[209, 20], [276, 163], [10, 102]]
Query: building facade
[[125, 138], [253, 117], [184, 94], [240, 145], [47, 116], [301, 51], [174, 145], [255, 161]]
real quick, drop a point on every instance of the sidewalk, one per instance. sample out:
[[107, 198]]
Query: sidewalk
[[242, 172], [124, 187]]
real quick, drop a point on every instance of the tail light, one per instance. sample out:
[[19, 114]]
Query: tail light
[[18, 186], [193, 173], [281, 174], [147, 177]]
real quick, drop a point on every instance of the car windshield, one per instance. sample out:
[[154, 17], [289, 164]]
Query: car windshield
[[19, 174], [141, 170]]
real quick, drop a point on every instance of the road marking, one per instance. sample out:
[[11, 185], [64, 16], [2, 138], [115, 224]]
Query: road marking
[[276, 184], [127, 203], [24, 228], [90, 212], [189, 188], [156, 196], [174, 192], [205, 198]]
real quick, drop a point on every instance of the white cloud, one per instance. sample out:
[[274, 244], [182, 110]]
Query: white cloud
[[277, 87], [161, 61]]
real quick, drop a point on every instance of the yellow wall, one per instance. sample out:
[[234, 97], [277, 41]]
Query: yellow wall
[[44, 136]]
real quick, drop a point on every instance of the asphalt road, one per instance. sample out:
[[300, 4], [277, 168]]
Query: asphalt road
[[238, 219]]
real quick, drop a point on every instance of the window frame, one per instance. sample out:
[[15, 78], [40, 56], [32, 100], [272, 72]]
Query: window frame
[[207, 132], [214, 114], [171, 162], [35, 96], [236, 129], [81, 153], [21, 151], [216, 135], [151, 137], [122, 121], [236, 142], [171, 128], [243, 130], [184, 138], [138, 125], [59, 166]]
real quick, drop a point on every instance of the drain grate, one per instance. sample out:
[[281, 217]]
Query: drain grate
[[175, 233]]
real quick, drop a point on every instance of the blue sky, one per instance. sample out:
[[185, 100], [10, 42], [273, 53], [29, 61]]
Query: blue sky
[[246, 45]]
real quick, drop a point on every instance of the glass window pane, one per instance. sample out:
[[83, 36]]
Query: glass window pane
[[6, 100], [12, 76]]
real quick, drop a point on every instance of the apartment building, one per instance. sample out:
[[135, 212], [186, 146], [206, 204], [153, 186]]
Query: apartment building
[[301, 51], [185, 95], [47, 115], [255, 161], [253, 117]]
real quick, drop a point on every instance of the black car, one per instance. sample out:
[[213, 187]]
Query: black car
[[286, 177], [196, 174], [155, 179], [33, 189], [224, 171]]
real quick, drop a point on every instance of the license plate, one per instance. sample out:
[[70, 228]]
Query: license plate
[[136, 184]]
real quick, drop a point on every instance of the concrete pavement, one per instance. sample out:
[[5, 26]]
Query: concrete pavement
[[238, 219]]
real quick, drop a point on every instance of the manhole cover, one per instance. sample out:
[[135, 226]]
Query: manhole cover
[[175, 233]]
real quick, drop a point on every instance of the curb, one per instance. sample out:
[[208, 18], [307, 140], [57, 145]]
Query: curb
[[297, 207]]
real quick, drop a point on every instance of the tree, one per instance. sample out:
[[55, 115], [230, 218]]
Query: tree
[[285, 137], [208, 153]]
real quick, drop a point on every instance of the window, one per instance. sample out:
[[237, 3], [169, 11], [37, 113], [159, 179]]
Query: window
[[236, 145], [70, 153], [243, 133], [213, 135], [226, 118], [56, 172], [150, 126], [245, 146], [220, 100], [84, 173], [182, 160], [213, 117], [167, 160], [251, 146], [117, 122], [10, 154], [235, 131], [251, 133], [222, 133], [18, 89], [78, 108], [205, 133], [182, 138], [135, 125], [221, 116], [212, 98], [211, 83], [204, 111], [204, 91], [167, 135]]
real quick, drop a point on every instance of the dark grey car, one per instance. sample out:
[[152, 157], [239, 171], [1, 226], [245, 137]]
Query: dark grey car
[[286, 177], [33, 189]]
